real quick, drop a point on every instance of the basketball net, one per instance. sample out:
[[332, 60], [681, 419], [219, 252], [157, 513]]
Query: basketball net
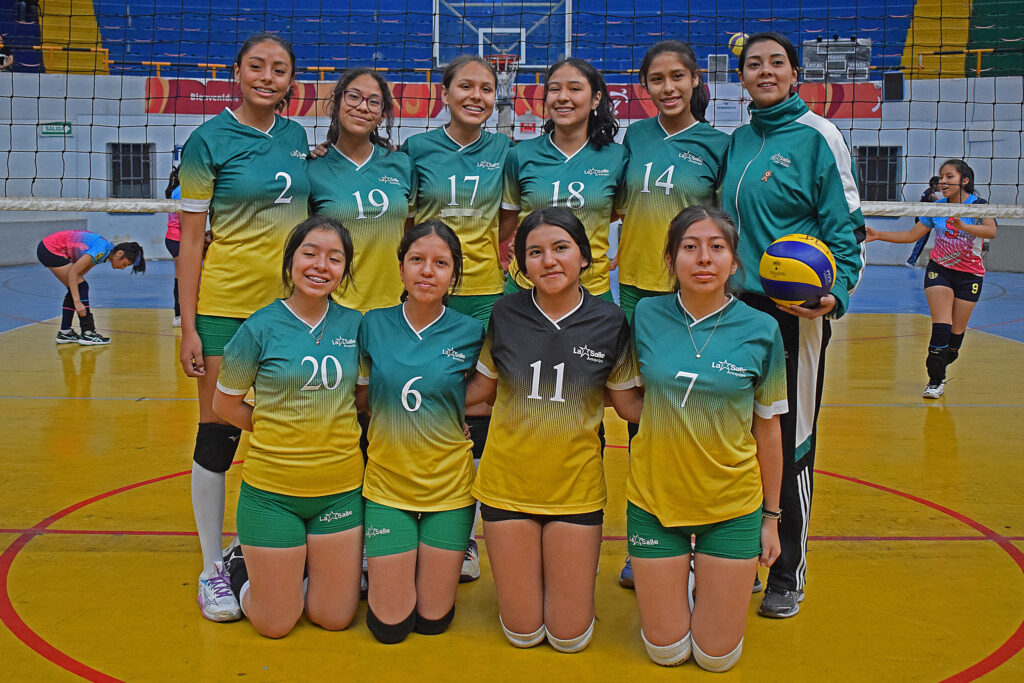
[[507, 66]]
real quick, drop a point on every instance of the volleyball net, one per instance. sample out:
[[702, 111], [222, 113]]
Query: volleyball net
[[102, 94]]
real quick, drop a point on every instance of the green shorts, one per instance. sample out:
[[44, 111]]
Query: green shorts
[[478, 306], [390, 531], [511, 288], [215, 332], [274, 520], [629, 296], [735, 539]]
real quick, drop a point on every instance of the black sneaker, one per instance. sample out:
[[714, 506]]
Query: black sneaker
[[780, 604], [93, 338], [68, 337]]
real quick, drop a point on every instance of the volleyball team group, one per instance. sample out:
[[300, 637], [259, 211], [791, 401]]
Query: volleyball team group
[[398, 398]]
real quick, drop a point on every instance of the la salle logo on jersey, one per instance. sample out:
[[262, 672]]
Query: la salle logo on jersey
[[488, 165], [692, 158], [453, 354], [299, 154], [599, 172], [589, 354], [729, 368], [388, 180], [781, 160], [344, 342]]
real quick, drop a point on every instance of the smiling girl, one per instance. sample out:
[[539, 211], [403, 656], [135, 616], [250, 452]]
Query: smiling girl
[[415, 358]]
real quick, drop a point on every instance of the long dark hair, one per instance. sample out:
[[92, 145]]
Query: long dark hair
[[560, 217], [602, 126], [682, 222], [265, 37], [965, 171], [448, 236], [172, 182], [700, 98], [387, 110], [133, 251], [298, 234]]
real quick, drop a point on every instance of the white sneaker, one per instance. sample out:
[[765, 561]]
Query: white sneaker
[[470, 564], [215, 598], [176, 322], [934, 390]]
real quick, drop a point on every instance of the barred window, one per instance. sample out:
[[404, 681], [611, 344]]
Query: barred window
[[878, 169], [131, 169]]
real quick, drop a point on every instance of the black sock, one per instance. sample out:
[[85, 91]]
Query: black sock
[[177, 306], [433, 627], [87, 322], [67, 312], [389, 634]]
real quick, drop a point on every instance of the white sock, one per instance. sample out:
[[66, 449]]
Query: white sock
[[668, 655], [241, 595], [717, 664], [523, 639], [571, 645], [208, 507]]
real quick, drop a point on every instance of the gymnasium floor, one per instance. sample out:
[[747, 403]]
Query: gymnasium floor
[[916, 559]]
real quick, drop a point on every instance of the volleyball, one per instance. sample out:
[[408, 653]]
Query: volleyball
[[736, 43], [797, 269]]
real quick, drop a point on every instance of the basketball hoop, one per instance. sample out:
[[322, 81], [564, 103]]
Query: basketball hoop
[[506, 65]]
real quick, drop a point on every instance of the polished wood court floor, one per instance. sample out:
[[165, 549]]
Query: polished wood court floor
[[916, 563]]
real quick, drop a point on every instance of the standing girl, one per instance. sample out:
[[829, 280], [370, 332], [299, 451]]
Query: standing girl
[[790, 171], [246, 170], [550, 353], [419, 512], [365, 185], [299, 509], [708, 456], [459, 170], [576, 165], [172, 240], [953, 277], [69, 255]]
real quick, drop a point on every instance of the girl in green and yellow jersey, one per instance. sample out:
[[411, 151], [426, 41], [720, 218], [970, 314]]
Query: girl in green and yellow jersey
[[551, 352], [576, 165], [415, 358], [245, 170], [300, 508], [707, 461], [361, 182]]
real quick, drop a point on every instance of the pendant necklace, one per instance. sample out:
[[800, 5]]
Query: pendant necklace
[[701, 350], [318, 337]]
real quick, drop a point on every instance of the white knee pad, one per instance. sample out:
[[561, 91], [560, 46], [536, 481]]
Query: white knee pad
[[668, 655], [523, 639], [572, 645], [716, 664]]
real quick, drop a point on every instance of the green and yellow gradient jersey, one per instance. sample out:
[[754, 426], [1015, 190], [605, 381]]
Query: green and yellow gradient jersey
[[419, 458], [372, 200], [461, 186], [255, 188], [538, 175], [305, 439], [543, 454], [664, 175], [694, 460]]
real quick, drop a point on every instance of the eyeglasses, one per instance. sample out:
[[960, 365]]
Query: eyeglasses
[[354, 98]]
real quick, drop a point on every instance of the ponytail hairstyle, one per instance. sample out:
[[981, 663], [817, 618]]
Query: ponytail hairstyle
[[602, 126], [387, 110], [448, 236], [264, 37], [172, 182], [965, 171], [133, 251], [700, 98], [682, 222]]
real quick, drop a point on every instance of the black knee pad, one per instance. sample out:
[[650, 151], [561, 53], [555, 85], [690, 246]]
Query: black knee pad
[[936, 365], [389, 634], [88, 323], [479, 425], [951, 355], [433, 627], [216, 445]]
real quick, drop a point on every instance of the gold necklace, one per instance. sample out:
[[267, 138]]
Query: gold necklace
[[318, 337], [701, 350]]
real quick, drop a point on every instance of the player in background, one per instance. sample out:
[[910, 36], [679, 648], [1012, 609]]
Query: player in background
[[550, 354], [459, 168], [366, 185], [576, 164], [414, 363], [707, 461], [69, 255], [246, 171], [674, 161], [300, 508], [790, 171], [931, 194], [955, 271]]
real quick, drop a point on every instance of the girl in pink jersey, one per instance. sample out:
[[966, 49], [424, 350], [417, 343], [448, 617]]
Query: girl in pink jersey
[[953, 278]]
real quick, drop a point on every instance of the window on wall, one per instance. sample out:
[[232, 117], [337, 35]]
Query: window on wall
[[878, 169], [131, 169]]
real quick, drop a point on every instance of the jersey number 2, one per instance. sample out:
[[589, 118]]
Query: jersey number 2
[[283, 198]]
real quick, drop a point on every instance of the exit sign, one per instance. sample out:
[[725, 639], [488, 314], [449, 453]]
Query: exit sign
[[57, 128]]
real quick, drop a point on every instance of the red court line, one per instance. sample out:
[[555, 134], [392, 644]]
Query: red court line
[[1015, 642]]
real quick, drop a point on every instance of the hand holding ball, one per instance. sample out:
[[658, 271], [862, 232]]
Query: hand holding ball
[[797, 270]]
